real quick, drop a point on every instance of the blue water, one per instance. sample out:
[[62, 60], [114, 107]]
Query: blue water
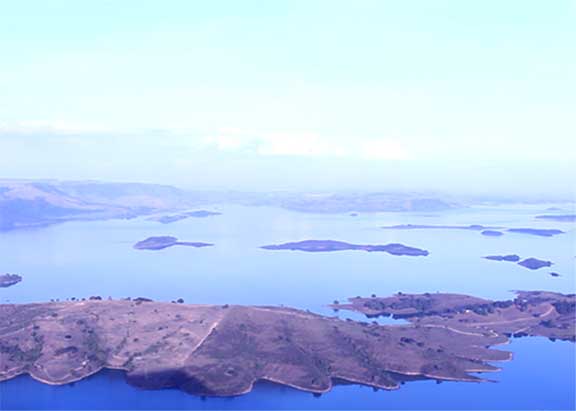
[[95, 258]]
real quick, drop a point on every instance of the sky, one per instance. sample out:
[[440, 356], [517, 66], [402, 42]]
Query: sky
[[444, 95]]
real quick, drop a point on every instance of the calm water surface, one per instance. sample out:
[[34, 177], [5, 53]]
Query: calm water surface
[[96, 258]]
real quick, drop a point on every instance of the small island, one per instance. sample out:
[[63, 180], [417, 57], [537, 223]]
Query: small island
[[511, 257], [530, 263], [8, 280], [162, 242], [492, 233], [332, 245], [534, 263]]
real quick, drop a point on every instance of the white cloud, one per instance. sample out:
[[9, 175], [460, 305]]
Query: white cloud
[[56, 127], [228, 142], [304, 144], [292, 144], [384, 149], [310, 145]]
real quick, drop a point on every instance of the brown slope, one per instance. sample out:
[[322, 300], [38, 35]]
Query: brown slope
[[224, 350]]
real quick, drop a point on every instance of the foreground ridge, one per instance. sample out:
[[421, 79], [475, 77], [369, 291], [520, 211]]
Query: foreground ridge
[[224, 350]]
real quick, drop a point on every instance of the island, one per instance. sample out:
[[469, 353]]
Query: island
[[534, 263], [223, 350], [332, 245], [8, 280], [162, 242], [492, 233], [553, 274], [511, 257], [542, 232], [167, 219], [530, 263], [568, 218]]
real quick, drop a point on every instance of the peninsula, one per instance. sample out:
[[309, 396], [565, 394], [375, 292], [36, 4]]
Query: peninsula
[[531, 313], [8, 280], [331, 245], [222, 350], [162, 242]]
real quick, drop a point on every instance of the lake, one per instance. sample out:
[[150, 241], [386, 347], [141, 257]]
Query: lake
[[81, 259]]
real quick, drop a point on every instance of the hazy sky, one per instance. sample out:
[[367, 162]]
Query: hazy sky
[[271, 94]]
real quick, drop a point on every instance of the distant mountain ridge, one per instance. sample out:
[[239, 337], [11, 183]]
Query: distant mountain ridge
[[29, 203], [35, 203], [368, 202]]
